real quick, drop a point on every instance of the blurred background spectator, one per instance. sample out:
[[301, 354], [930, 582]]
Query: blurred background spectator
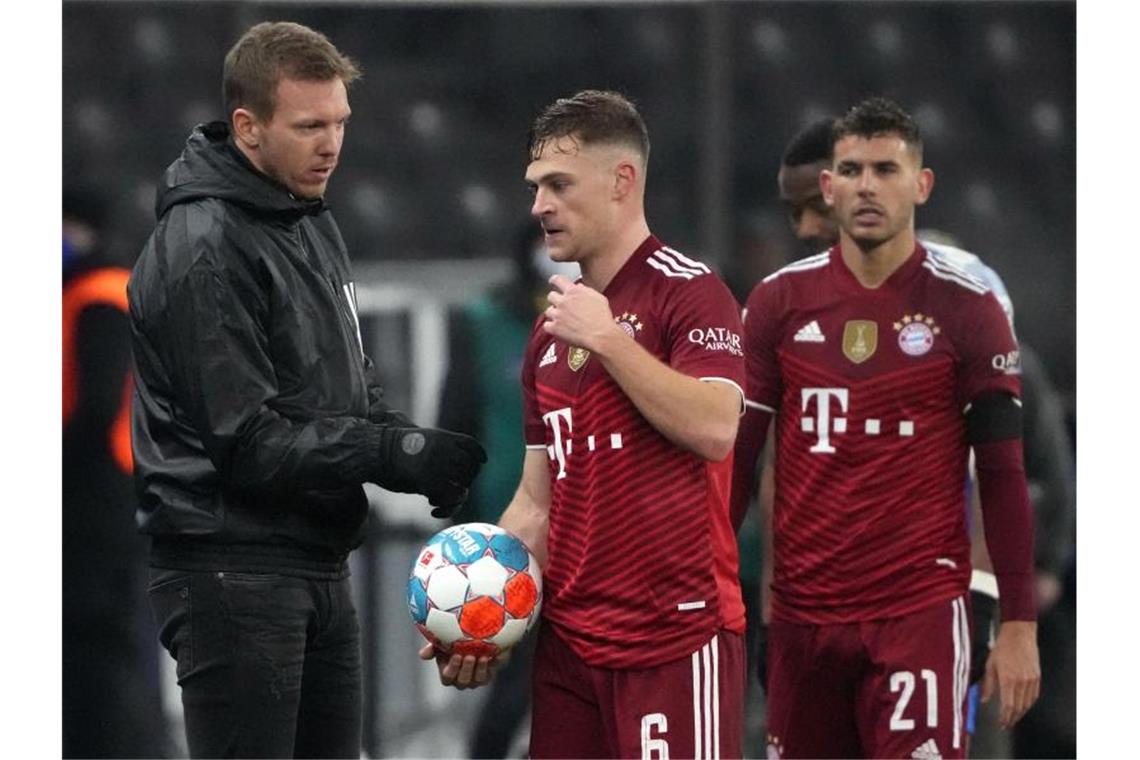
[[482, 397], [111, 698], [430, 200]]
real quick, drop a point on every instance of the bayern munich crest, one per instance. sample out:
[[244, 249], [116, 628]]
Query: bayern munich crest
[[916, 333], [630, 323]]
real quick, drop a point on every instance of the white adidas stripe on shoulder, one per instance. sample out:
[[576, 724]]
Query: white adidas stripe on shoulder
[[944, 263], [686, 260], [803, 265], [944, 270], [674, 264], [667, 271], [979, 289]]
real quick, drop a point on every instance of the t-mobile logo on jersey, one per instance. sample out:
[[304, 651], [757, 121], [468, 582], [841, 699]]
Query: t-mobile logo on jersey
[[561, 423], [823, 424], [555, 421]]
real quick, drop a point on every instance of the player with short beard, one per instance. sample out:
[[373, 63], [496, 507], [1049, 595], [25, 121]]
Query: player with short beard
[[881, 358], [1048, 461]]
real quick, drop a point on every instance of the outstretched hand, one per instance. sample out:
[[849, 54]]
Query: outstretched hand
[[463, 672]]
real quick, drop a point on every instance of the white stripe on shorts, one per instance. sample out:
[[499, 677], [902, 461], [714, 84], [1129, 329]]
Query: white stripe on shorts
[[706, 701], [716, 696], [696, 704], [961, 634]]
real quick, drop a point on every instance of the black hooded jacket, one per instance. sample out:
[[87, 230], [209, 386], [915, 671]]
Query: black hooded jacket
[[250, 421]]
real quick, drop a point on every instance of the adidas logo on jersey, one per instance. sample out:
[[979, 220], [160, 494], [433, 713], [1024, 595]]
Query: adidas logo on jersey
[[809, 333], [928, 750], [549, 357]]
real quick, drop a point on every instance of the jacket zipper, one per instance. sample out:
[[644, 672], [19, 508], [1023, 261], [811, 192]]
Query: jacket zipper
[[347, 321]]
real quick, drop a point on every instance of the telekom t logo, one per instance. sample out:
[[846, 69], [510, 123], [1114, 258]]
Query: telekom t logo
[[822, 424], [554, 420], [561, 425]]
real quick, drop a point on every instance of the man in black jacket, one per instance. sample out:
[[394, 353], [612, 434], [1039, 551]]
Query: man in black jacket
[[257, 415]]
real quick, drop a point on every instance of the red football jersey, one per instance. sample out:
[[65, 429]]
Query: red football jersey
[[642, 563], [870, 387]]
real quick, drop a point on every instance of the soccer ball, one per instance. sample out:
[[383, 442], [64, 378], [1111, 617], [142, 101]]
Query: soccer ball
[[474, 589]]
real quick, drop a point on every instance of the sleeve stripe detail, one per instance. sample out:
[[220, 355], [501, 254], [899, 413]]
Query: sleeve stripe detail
[[811, 262], [677, 266], [733, 383], [536, 447], [947, 267], [761, 407], [942, 262], [680, 266], [668, 272], [686, 260], [942, 274]]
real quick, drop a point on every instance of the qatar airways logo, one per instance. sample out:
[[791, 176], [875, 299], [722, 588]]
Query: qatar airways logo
[[716, 339], [828, 420], [561, 424]]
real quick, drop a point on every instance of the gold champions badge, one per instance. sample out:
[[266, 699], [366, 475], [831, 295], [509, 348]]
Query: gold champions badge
[[860, 339], [576, 357]]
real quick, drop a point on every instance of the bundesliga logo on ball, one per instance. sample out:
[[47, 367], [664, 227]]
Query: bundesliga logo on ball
[[474, 589]]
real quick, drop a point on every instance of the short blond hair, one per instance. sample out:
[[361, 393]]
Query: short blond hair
[[273, 50]]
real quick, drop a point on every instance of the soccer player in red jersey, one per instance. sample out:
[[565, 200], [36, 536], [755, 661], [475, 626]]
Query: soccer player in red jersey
[[883, 363], [814, 224], [632, 398]]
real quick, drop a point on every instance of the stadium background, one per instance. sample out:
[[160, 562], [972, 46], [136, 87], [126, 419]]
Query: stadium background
[[429, 192]]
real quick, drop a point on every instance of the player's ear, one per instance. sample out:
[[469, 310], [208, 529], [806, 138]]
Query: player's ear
[[625, 178], [925, 185], [246, 128], [825, 187]]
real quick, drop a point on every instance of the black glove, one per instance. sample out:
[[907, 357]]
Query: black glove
[[439, 464], [762, 656], [985, 609]]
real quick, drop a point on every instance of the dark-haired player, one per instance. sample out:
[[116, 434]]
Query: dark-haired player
[[808, 153], [632, 401], [885, 363]]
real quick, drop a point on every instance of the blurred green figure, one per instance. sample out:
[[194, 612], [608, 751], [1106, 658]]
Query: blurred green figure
[[482, 396]]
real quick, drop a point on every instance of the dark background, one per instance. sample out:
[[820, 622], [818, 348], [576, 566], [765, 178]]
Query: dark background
[[430, 179], [433, 163]]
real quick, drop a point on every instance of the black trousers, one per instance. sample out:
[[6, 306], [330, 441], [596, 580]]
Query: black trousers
[[269, 664]]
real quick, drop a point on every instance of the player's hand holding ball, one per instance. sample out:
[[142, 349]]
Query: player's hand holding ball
[[474, 591]]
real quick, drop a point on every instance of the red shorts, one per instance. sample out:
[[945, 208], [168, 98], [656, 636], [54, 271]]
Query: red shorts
[[691, 707], [883, 688]]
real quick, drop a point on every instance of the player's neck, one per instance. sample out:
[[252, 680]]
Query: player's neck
[[872, 267], [600, 269]]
